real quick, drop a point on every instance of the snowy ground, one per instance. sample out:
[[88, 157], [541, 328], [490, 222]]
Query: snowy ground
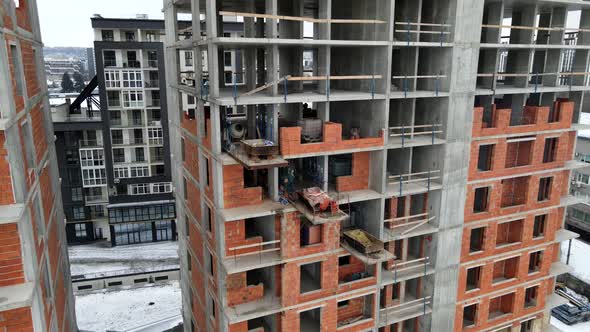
[[97, 258], [582, 327], [578, 259], [128, 308]]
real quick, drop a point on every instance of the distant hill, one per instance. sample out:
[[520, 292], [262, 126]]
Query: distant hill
[[64, 52]]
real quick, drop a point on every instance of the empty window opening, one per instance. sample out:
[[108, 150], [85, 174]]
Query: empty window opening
[[18, 75], [139, 281], [469, 315], [115, 283], [343, 304], [539, 225], [480, 203], [484, 160], [211, 263], [509, 232], [527, 326], [310, 276], [310, 320], [209, 219], [501, 305], [519, 153], [550, 150], [473, 278], [343, 260], [505, 269], [476, 240], [530, 296], [544, 188], [84, 287], [514, 191], [535, 260], [310, 234], [212, 308], [207, 175]]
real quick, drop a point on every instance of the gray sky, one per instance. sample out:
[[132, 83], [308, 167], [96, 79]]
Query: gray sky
[[67, 22]]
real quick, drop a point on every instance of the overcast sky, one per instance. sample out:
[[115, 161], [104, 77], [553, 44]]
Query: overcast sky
[[67, 22]]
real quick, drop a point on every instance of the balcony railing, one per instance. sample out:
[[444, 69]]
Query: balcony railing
[[95, 199], [90, 143], [132, 64], [152, 84], [152, 63], [154, 103]]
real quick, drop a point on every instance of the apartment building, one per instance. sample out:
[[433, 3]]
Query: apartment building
[[56, 68], [392, 165], [35, 286]]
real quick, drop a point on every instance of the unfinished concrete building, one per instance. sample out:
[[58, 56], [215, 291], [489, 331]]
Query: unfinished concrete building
[[35, 284], [374, 163]]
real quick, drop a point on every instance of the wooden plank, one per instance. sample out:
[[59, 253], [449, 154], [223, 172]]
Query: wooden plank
[[419, 76], [261, 244], [267, 85], [423, 24]]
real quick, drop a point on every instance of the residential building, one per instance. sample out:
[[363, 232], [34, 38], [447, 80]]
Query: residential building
[[35, 285], [55, 68], [578, 215], [417, 180]]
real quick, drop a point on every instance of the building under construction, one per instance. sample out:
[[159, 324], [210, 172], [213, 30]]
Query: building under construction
[[382, 165]]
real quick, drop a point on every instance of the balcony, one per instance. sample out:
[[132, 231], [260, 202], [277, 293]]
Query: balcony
[[61, 113], [413, 183], [408, 226], [132, 64], [90, 143], [408, 309], [152, 84], [416, 135], [95, 199]]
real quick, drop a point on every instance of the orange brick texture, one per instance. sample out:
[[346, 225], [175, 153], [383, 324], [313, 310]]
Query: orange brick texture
[[239, 292], [16, 320], [235, 236], [11, 264], [234, 193], [191, 158], [6, 193], [290, 141], [359, 180]]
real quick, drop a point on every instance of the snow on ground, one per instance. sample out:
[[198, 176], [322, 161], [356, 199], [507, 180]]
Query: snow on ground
[[581, 327], [578, 259], [97, 258], [127, 308]]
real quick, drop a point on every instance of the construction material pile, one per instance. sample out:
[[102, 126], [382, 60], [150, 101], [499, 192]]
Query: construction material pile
[[577, 311]]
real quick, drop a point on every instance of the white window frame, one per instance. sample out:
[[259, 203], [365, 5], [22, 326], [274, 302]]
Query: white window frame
[[121, 172], [163, 187], [112, 79], [92, 158], [133, 99], [132, 79], [140, 171], [155, 136], [94, 177], [139, 189]]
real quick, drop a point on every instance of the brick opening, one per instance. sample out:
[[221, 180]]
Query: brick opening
[[310, 277], [535, 261], [354, 310], [470, 315], [310, 234], [485, 157], [352, 269], [550, 150], [477, 239], [480, 203], [530, 296], [310, 320], [506, 269], [262, 324], [544, 188], [539, 226], [527, 326], [473, 278], [519, 153], [509, 233], [501, 305], [514, 191]]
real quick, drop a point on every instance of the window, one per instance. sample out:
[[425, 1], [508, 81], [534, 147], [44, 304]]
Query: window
[[132, 99], [501, 305], [91, 158], [480, 203], [155, 136], [94, 177], [129, 36], [209, 219], [207, 172], [476, 240], [530, 296], [140, 172], [539, 226], [18, 74], [112, 79], [108, 35], [519, 151], [310, 276], [39, 221], [527, 326], [132, 60], [79, 213], [110, 58], [118, 155], [113, 98], [132, 79], [343, 260], [544, 188], [344, 303], [47, 281], [77, 194], [509, 232], [506, 269], [121, 172], [535, 260], [139, 155], [80, 230], [28, 142], [228, 77], [158, 188], [140, 189], [151, 36], [152, 59], [473, 278], [550, 150], [211, 263], [484, 161], [115, 117], [190, 100], [227, 59], [469, 315], [188, 59]]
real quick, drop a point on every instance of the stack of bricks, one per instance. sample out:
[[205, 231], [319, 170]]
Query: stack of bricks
[[359, 179], [500, 266], [290, 141], [38, 297]]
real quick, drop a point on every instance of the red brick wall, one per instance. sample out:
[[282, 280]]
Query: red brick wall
[[22, 15], [193, 200], [30, 68], [189, 124], [290, 241], [353, 309], [16, 320], [238, 292], [18, 100], [235, 236], [6, 196], [234, 193], [46, 194], [359, 179], [191, 158], [290, 139], [11, 265], [355, 266]]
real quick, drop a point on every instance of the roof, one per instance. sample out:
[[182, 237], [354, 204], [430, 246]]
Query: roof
[[148, 24]]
